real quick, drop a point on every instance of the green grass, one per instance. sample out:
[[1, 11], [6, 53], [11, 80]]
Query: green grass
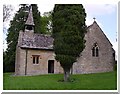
[[97, 81]]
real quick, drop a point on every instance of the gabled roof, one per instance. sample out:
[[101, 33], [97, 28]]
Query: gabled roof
[[37, 41], [40, 41], [95, 23]]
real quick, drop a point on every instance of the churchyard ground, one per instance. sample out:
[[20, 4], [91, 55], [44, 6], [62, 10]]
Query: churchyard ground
[[96, 81]]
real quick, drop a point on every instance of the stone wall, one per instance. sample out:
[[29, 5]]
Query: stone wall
[[86, 63], [41, 67], [20, 62], [89, 64], [20, 57]]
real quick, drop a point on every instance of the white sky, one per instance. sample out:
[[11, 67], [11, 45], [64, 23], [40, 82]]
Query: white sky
[[92, 10]]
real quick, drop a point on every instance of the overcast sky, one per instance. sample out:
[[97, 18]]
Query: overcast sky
[[105, 14]]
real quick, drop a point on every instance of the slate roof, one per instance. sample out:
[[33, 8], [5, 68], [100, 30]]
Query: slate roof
[[41, 41], [37, 41], [30, 20], [30, 40]]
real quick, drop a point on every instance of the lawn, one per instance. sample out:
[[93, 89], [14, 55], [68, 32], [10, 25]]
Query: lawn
[[97, 81]]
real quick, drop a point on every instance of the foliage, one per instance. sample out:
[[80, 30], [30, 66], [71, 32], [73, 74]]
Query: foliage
[[46, 22], [37, 19], [68, 32], [97, 81], [16, 25], [7, 12]]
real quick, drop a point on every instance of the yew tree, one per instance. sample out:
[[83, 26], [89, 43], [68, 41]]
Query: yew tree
[[68, 32]]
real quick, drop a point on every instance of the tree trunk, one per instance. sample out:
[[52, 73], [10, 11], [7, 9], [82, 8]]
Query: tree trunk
[[66, 75]]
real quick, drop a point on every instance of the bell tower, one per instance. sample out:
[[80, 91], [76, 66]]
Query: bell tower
[[29, 25]]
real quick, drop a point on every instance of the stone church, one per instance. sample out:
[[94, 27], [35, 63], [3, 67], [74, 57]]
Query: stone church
[[35, 54]]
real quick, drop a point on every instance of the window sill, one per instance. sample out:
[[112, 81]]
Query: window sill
[[35, 64]]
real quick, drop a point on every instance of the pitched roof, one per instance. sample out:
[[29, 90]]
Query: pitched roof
[[40, 41], [30, 20], [37, 41], [100, 30]]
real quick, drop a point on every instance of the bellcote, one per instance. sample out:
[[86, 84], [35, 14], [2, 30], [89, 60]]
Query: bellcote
[[29, 25]]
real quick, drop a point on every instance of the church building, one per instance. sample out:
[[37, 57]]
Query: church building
[[35, 54]]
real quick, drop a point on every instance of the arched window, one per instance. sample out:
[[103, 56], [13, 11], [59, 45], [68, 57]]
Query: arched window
[[95, 50]]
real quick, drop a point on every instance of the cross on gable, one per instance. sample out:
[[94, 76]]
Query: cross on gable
[[94, 18]]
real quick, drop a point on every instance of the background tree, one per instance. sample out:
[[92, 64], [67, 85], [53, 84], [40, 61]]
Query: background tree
[[16, 25], [46, 22], [68, 32], [37, 19], [7, 12]]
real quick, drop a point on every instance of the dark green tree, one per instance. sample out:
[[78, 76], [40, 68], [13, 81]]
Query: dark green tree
[[16, 25], [46, 22], [68, 32]]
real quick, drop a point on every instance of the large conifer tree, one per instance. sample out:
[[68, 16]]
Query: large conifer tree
[[68, 33], [16, 25], [37, 19]]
